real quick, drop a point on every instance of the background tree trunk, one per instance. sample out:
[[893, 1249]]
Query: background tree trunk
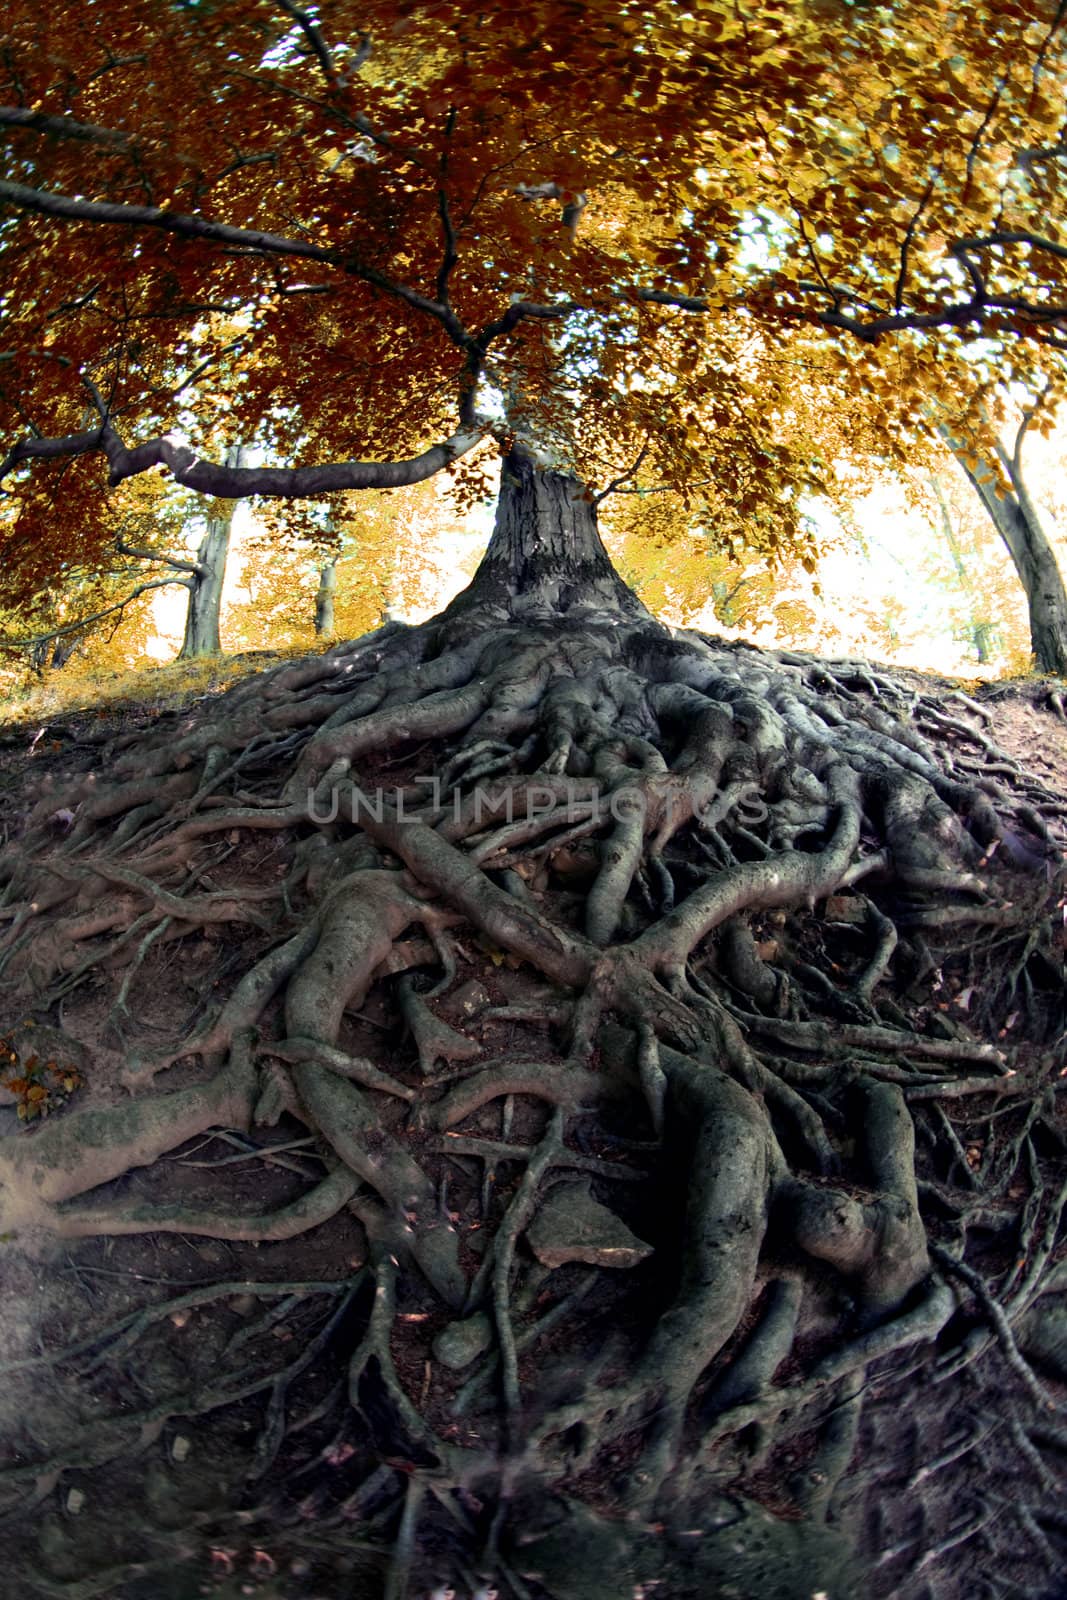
[[324, 600], [64, 649], [52, 655], [205, 592], [205, 582], [1015, 517]]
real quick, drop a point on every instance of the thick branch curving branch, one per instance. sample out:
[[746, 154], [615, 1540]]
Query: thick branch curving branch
[[62, 127], [237, 483]]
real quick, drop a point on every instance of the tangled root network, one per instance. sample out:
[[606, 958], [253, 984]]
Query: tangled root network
[[652, 1047]]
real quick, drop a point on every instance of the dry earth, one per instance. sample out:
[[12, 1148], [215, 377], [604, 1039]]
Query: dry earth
[[169, 1507]]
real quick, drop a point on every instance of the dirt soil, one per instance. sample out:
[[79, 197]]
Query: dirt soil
[[175, 1508]]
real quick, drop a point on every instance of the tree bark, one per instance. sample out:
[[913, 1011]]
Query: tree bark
[[546, 554], [202, 636], [205, 582], [52, 654], [1016, 519], [324, 600], [64, 649]]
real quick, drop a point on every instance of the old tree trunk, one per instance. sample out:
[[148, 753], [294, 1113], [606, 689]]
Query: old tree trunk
[[650, 1046]]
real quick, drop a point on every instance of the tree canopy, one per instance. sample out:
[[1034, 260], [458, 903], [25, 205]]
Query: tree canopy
[[370, 237]]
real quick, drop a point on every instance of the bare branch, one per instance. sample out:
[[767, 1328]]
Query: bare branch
[[980, 296], [208, 362], [73, 210], [616, 483], [321, 50], [286, 291], [451, 253], [952, 316], [523, 310], [1029, 413], [1013, 463], [980, 133], [319, 47], [1039, 60], [664, 488], [1037, 153], [260, 159], [909, 234], [97, 616], [62, 127], [990, 240], [666, 297], [538, 191], [839, 294], [192, 567], [114, 63], [574, 204], [809, 245], [235, 483]]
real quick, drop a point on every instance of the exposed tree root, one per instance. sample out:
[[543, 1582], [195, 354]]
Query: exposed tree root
[[318, 1205], [548, 898]]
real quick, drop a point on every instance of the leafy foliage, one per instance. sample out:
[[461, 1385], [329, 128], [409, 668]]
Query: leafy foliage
[[38, 1086], [330, 229], [968, 564], [93, 606]]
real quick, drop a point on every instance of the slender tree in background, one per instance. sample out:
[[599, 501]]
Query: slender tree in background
[[206, 577], [652, 1004], [1001, 487], [324, 599]]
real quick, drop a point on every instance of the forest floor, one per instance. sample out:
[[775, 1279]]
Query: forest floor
[[27, 699], [174, 1507]]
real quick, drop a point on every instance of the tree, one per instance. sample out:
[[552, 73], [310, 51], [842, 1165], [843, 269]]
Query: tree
[[325, 626], [100, 587], [674, 909], [206, 576], [1001, 488], [981, 624]]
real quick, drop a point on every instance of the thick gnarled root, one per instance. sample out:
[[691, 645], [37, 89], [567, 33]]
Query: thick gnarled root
[[88, 1148]]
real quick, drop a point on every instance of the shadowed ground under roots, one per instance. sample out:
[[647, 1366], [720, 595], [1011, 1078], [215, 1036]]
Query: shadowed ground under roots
[[749, 959]]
